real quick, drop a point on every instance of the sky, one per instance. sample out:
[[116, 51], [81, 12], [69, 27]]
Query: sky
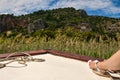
[[108, 8]]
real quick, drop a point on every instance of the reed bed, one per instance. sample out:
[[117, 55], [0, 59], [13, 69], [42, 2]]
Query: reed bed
[[91, 48]]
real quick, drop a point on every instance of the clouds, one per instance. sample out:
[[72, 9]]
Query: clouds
[[19, 7], [106, 6], [93, 7], [91, 4]]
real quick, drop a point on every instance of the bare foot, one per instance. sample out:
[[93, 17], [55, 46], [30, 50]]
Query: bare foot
[[99, 65], [92, 65]]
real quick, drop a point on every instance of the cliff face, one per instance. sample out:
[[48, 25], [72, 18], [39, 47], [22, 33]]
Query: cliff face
[[8, 22], [36, 25], [82, 13]]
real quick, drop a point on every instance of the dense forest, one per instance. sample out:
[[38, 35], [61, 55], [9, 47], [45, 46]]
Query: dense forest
[[66, 21]]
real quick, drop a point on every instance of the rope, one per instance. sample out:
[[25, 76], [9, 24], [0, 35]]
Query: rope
[[21, 59]]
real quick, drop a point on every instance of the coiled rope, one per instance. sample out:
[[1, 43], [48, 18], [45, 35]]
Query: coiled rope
[[21, 59]]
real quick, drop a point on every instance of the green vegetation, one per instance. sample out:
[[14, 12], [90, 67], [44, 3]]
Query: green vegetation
[[63, 29], [96, 47]]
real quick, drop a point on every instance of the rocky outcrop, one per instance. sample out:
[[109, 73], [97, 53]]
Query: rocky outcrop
[[83, 27], [36, 25], [6, 22], [82, 13], [9, 22]]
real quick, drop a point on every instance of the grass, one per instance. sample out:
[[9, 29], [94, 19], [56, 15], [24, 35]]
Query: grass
[[91, 48]]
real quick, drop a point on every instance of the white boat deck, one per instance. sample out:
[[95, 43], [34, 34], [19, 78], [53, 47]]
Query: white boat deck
[[53, 68]]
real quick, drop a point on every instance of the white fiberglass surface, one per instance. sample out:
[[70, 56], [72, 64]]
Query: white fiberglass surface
[[53, 68]]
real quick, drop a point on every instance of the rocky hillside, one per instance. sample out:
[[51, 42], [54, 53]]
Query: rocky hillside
[[60, 18]]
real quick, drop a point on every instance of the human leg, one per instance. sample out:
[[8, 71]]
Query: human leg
[[113, 63]]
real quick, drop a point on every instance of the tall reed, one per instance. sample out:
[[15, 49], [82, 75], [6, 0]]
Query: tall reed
[[91, 48]]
